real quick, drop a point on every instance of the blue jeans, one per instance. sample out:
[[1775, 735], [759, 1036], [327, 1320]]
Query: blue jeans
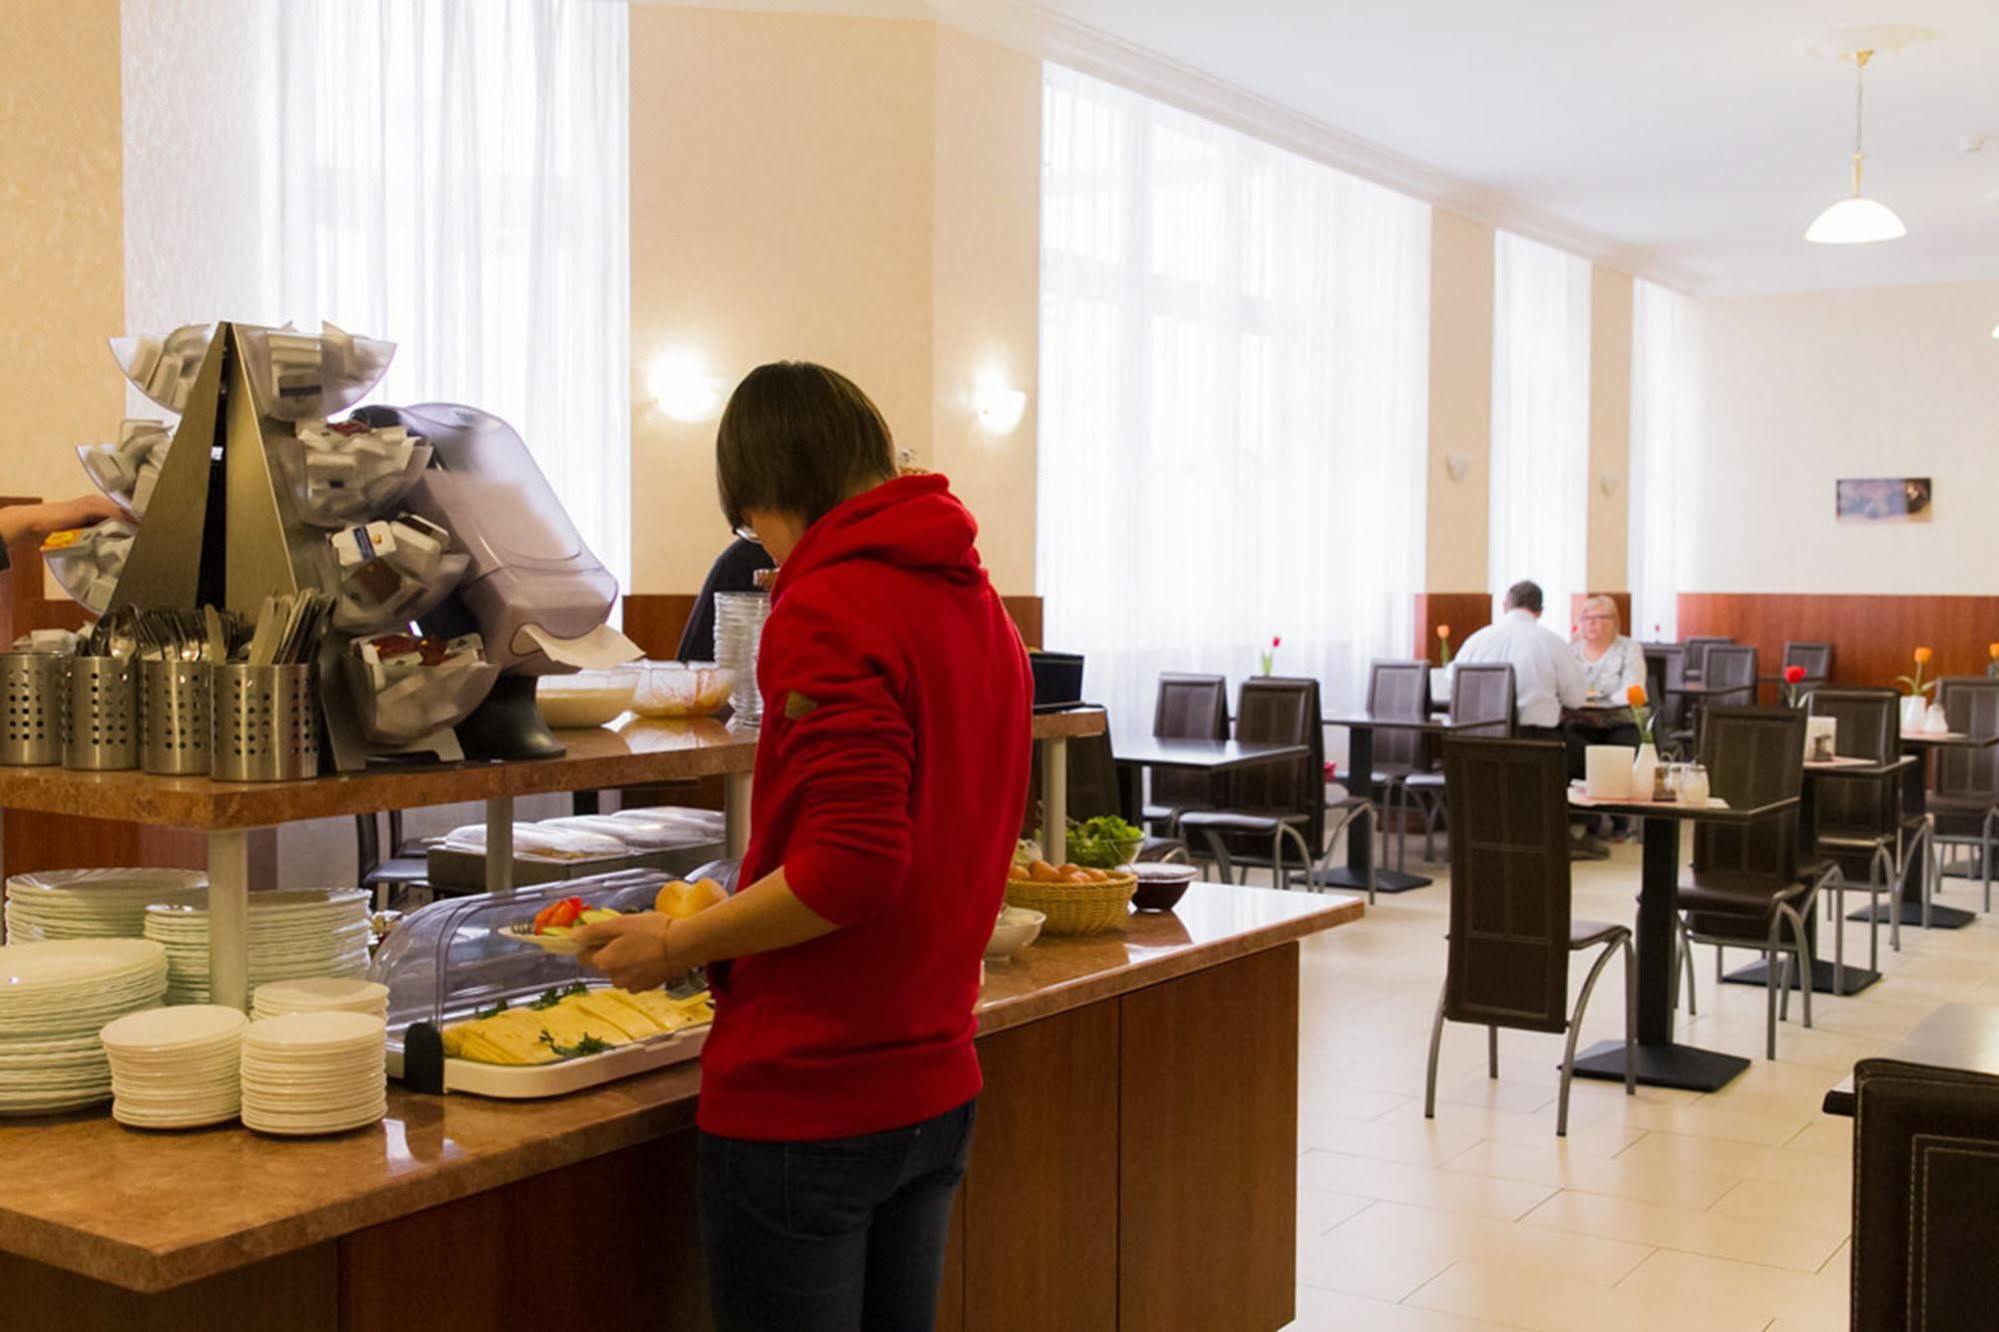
[[845, 1235]]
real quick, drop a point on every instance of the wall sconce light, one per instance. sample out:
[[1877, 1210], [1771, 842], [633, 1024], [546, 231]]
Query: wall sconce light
[[1456, 465], [1607, 482], [680, 385], [998, 405]]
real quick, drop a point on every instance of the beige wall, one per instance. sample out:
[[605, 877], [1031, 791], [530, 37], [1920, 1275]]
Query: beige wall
[[1460, 401], [1800, 390], [860, 192], [1609, 431], [61, 265]]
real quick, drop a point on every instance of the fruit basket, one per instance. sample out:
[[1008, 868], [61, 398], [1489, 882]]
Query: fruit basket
[[1077, 908]]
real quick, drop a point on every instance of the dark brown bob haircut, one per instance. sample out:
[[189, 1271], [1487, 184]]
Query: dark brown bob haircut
[[798, 438]]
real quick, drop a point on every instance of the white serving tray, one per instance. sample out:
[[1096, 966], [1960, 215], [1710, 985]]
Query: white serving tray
[[526, 1082]]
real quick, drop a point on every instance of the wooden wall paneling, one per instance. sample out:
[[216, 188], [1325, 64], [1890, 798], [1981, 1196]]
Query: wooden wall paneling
[[295, 1291], [610, 1242], [1026, 613], [31, 841], [1873, 637], [1209, 1148], [1041, 1195], [1464, 612]]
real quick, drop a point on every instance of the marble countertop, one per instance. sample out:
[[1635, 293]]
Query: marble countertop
[[631, 752], [150, 1211]]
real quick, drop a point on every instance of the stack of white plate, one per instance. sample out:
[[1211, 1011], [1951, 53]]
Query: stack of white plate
[[54, 998], [93, 903], [293, 934], [314, 1073], [330, 995], [176, 1067]]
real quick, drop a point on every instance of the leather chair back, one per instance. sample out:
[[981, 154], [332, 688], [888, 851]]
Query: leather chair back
[[1398, 689], [1753, 756], [1508, 963], [1971, 705], [1732, 668], [1189, 707], [1816, 658], [1279, 710], [1696, 650], [1870, 727], [1925, 1171], [1482, 694], [1093, 782], [1666, 670]]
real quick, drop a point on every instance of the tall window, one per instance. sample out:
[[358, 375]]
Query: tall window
[[1234, 401], [447, 174], [1539, 525], [1664, 403]]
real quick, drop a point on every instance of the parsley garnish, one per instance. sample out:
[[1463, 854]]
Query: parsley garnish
[[550, 998], [494, 1011], [589, 1045]]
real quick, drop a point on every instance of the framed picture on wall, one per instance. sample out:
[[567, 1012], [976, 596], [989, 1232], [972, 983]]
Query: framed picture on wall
[[1882, 499]]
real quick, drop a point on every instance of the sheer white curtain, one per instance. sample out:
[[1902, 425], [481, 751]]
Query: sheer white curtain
[[1539, 526], [1665, 402], [1234, 398], [448, 174]]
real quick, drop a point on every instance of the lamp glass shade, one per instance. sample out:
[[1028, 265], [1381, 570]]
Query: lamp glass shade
[[1855, 221]]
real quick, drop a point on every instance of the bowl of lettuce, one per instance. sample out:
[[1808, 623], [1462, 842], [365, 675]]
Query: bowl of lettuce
[[1107, 842]]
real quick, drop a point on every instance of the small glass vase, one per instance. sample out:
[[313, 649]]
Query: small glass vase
[[1645, 772]]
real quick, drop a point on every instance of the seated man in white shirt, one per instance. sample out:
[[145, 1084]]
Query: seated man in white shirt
[[1546, 675]]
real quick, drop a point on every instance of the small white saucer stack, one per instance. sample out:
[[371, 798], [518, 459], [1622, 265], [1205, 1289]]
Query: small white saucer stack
[[175, 1067], [314, 1073], [328, 994]]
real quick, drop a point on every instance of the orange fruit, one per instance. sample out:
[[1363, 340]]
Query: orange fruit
[[1016, 874], [1043, 872]]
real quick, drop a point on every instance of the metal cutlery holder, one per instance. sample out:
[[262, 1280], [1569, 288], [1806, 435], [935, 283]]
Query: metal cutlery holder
[[101, 722], [266, 723], [178, 697], [33, 685]]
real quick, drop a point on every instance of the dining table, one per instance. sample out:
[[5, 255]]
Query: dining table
[[1661, 1060], [1829, 976], [1915, 792], [1360, 871], [1961, 1037], [1138, 754]]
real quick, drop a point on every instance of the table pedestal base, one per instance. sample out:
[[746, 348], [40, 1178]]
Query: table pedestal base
[[1941, 917], [1385, 880], [1857, 978], [1684, 1066]]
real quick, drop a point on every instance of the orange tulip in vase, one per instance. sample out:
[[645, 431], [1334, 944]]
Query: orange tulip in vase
[[1440, 675], [1919, 715], [1645, 767]]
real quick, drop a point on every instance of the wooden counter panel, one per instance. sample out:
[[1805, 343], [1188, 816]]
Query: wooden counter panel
[[1041, 1196], [1209, 1147], [295, 1291]]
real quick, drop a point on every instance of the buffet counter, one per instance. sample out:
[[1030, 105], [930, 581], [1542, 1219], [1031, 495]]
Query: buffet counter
[[1137, 1137]]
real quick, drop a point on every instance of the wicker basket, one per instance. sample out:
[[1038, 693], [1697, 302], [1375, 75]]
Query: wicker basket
[[1077, 908]]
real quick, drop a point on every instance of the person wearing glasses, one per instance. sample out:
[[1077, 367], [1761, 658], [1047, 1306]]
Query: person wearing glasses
[[1611, 663], [839, 1080]]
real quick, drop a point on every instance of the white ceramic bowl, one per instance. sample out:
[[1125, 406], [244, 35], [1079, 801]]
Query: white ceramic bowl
[[1016, 928]]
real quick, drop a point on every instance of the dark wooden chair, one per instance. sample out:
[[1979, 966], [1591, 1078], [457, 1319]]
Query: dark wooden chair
[[1397, 689], [1186, 707], [1665, 671], [1275, 804], [1512, 931], [1925, 1171], [1964, 803], [1748, 888], [1858, 823], [1483, 702], [1816, 658], [1696, 654], [390, 871]]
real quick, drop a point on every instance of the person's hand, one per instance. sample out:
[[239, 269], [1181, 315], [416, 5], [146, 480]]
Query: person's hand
[[635, 951], [83, 511]]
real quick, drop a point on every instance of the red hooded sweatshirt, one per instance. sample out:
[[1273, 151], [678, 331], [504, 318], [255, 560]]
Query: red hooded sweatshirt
[[890, 780]]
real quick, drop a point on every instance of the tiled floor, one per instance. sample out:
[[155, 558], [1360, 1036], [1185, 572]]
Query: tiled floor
[[1670, 1210]]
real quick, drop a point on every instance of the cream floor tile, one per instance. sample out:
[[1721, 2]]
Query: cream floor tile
[[1420, 1186], [1552, 1304], [1422, 1142], [1780, 1164], [1319, 1210], [1347, 1103], [1831, 1135], [1519, 1095], [1605, 1103], [1747, 1287], [1799, 1247], [1600, 1138], [1809, 1202], [1552, 1164], [1455, 1237], [1331, 1311]]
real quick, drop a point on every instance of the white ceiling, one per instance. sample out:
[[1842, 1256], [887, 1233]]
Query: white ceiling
[[1691, 140]]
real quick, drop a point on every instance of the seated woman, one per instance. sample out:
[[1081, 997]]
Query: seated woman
[[1611, 663]]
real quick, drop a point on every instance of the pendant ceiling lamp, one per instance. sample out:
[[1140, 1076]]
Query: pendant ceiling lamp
[[1857, 219]]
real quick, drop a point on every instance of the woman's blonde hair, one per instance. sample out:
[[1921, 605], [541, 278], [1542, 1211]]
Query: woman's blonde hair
[[1609, 604]]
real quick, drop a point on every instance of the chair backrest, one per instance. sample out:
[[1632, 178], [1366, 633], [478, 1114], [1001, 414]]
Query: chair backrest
[[1732, 668], [1398, 689], [1753, 756], [1280, 710], [1696, 650], [1971, 705], [1816, 658], [1508, 962], [1191, 707], [1482, 695], [1925, 1169], [1870, 727], [1665, 671]]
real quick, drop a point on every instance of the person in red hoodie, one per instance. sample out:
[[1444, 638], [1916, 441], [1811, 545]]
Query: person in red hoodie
[[839, 1080]]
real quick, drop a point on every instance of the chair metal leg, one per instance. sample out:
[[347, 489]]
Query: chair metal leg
[[1770, 1016], [1930, 868], [1985, 855], [1492, 1052], [1436, 1044], [1575, 1029]]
